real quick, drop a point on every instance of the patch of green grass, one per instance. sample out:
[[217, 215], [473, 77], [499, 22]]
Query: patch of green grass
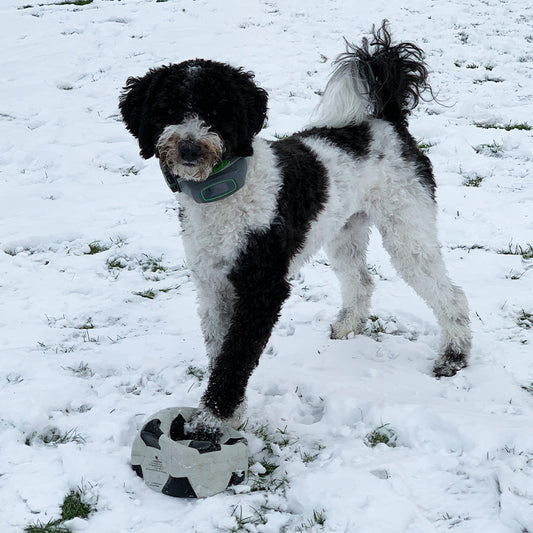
[[133, 170], [463, 37], [52, 526], [169, 289], [525, 319], [62, 3], [376, 327], [269, 483], [525, 251], [523, 126], [118, 241], [514, 275], [75, 506], [81, 370], [318, 519], [243, 522], [308, 457], [424, 146], [151, 264], [492, 149], [114, 263], [269, 467], [469, 247], [54, 437], [196, 372], [73, 3], [148, 293], [474, 180], [279, 437], [270, 478], [489, 78], [97, 247], [381, 435]]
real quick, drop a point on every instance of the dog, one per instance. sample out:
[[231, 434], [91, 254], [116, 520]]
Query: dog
[[276, 203]]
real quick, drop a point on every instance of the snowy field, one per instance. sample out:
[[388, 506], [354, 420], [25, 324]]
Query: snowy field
[[98, 325]]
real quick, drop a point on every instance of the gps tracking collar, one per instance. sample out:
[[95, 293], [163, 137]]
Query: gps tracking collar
[[227, 177]]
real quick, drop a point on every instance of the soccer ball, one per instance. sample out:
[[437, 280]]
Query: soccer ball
[[187, 468]]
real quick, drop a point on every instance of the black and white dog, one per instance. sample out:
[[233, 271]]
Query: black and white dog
[[246, 232]]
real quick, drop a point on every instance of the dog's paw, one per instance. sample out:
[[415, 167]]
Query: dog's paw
[[345, 324], [449, 363], [204, 426]]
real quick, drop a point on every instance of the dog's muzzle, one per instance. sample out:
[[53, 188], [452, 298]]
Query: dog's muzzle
[[226, 179]]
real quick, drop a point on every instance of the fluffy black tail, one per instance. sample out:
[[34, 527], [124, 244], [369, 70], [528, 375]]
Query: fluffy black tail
[[375, 79]]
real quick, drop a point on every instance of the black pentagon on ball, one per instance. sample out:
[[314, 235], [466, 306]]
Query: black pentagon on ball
[[138, 470], [205, 446], [237, 478], [179, 487], [151, 432], [177, 428]]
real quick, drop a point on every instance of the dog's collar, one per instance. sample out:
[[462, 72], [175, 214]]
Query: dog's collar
[[227, 178]]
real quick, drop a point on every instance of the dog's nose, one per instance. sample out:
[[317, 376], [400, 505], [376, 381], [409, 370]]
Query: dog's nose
[[189, 151]]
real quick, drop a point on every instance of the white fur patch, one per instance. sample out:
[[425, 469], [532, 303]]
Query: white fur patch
[[345, 100], [191, 129]]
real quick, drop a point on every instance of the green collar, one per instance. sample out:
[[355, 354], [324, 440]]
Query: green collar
[[227, 178]]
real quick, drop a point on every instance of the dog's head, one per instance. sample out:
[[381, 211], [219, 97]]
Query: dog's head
[[193, 114]]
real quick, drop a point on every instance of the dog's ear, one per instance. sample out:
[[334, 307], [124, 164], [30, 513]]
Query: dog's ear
[[256, 111], [134, 104], [258, 118]]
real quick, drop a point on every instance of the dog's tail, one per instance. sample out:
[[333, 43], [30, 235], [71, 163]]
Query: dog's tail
[[375, 79]]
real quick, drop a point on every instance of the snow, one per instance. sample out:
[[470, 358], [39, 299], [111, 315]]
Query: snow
[[83, 354]]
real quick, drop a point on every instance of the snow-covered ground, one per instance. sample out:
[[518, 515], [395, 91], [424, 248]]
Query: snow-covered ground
[[92, 343]]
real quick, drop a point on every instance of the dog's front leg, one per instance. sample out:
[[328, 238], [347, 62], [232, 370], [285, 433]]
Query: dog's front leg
[[260, 287], [215, 308]]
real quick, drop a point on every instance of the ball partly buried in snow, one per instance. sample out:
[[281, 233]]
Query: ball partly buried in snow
[[173, 465]]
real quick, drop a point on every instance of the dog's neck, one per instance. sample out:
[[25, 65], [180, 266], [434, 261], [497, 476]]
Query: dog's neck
[[226, 179]]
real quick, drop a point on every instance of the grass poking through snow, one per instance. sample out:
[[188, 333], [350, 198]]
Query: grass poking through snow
[[381, 435], [75, 505], [525, 251], [54, 437]]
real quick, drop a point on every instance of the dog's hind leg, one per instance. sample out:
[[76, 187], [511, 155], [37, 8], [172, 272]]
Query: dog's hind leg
[[406, 219], [347, 254]]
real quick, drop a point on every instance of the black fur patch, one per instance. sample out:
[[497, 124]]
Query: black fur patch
[[260, 274], [411, 152], [224, 97], [449, 363], [353, 139]]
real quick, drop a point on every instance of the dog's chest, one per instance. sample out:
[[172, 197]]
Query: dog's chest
[[214, 234], [212, 237]]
